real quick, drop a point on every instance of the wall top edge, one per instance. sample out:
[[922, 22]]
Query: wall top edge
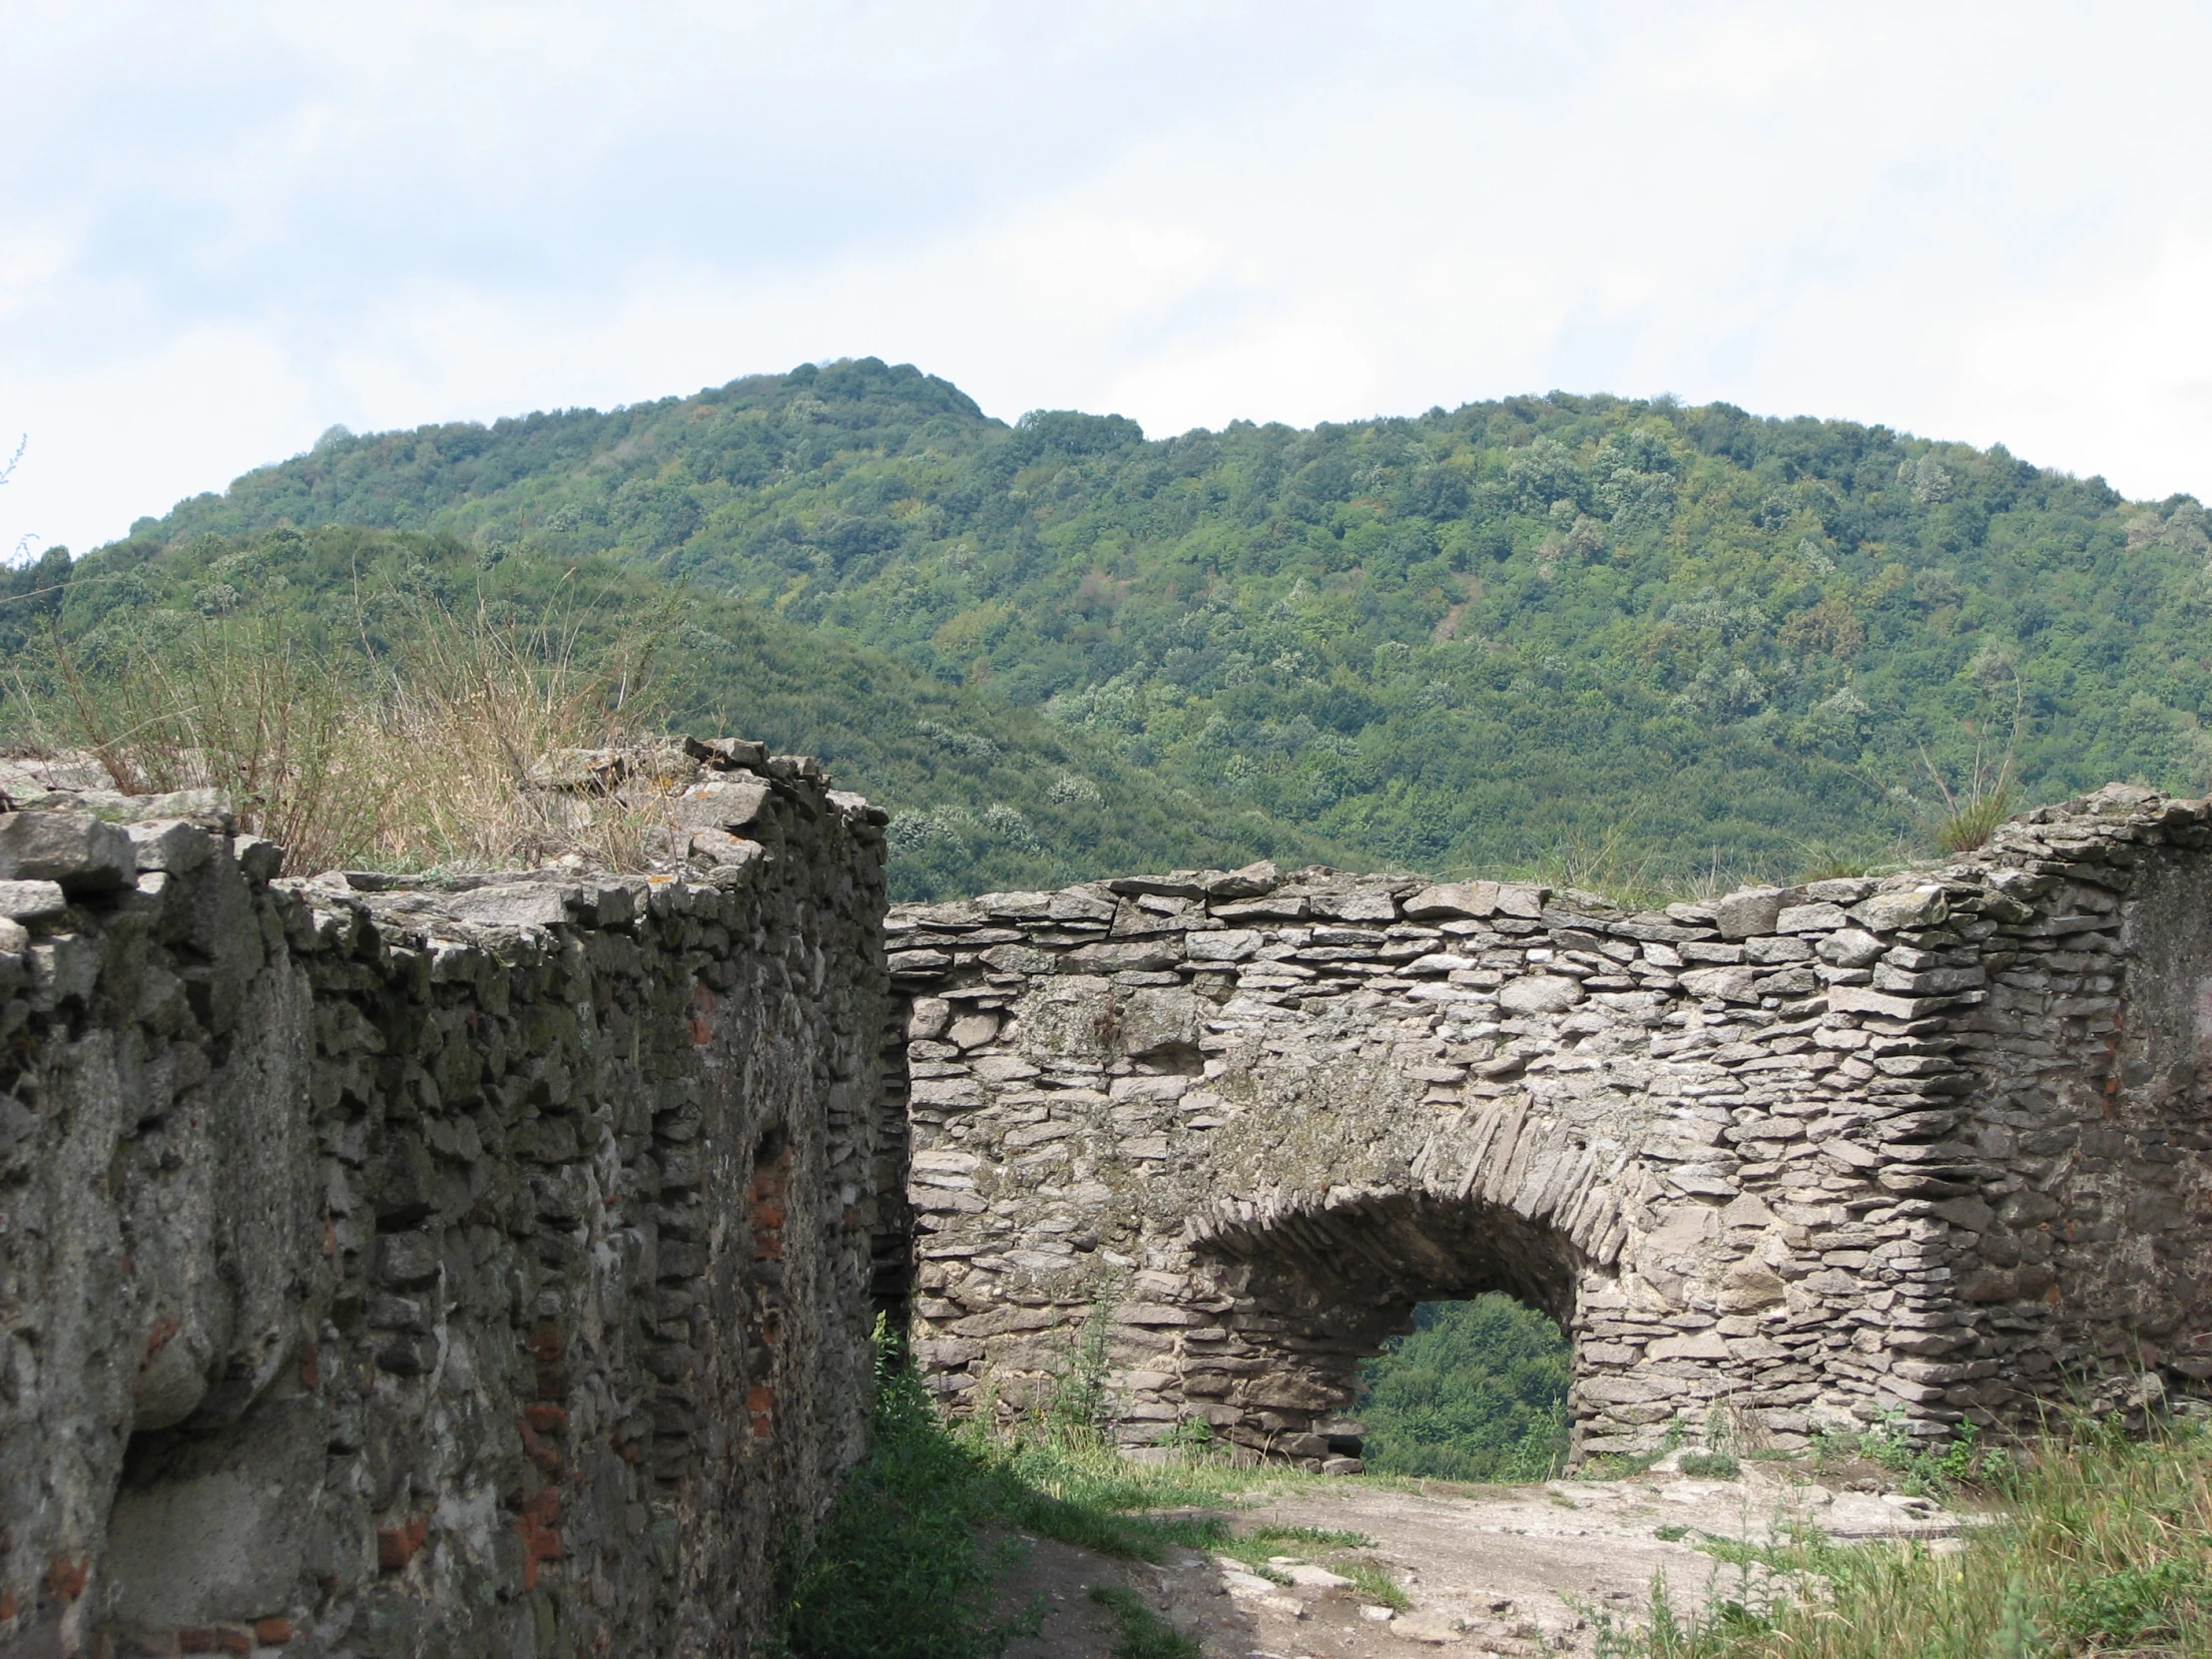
[[2075, 832]]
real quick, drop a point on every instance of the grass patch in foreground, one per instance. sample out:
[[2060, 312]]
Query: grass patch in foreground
[[1376, 1584], [900, 1569], [1075, 1486], [1258, 1547], [2105, 1547], [1710, 1465], [1139, 1632]]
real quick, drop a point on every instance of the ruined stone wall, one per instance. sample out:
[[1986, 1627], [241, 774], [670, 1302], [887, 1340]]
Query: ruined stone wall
[[1932, 1147], [390, 1268]]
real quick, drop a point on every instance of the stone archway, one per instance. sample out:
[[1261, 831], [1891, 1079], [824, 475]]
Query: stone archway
[[1799, 1156], [1258, 1194]]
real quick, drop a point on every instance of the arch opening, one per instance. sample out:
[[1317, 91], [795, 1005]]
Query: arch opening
[[1318, 1297]]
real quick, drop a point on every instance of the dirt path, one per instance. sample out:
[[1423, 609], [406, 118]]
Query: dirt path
[[1486, 1571]]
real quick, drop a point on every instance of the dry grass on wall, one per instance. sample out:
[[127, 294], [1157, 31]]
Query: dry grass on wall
[[410, 759]]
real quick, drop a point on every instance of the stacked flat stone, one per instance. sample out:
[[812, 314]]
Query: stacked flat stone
[[432, 1267], [1921, 1146]]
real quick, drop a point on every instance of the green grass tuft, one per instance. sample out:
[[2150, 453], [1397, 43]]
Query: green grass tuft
[[1139, 1632], [2141, 1603], [1375, 1584], [1710, 1465], [1321, 1538], [1925, 1471]]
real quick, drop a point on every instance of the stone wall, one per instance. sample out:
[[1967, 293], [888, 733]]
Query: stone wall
[[387, 1266], [485, 1265], [1932, 1147]]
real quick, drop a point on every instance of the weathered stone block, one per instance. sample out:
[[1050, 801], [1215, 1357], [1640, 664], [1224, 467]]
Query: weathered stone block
[[405, 1259], [1134, 957], [1773, 949], [1789, 983], [1248, 882], [62, 970], [1726, 984], [1929, 982], [1078, 904], [1850, 948], [1809, 918], [31, 900], [999, 1321], [1453, 899], [1520, 899], [1229, 944], [910, 965], [75, 849], [1858, 999], [947, 1091], [944, 1161], [516, 904], [1358, 904], [728, 751], [1154, 1020], [1747, 912], [1887, 912], [1540, 993], [171, 845], [727, 803], [1016, 958], [1750, 1286], [972, 1030], [1627, 1390]]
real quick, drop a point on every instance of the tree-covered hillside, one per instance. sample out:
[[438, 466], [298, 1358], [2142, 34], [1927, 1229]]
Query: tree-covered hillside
[[1455, 640]]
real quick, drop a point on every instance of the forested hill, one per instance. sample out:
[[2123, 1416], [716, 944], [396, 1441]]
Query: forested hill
[[1461, 638]]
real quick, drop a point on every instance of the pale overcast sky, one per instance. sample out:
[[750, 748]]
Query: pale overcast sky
[[226, 226]]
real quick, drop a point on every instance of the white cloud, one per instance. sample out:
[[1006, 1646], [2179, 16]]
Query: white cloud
[[1969, 222], [186, 415], [1301, 366], [1746, 59], [2127, 358], [1089, 273]]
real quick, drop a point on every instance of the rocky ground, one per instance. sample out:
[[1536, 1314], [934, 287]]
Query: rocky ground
[[1504, 1571]]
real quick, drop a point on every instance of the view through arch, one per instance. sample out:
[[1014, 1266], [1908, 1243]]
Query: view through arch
[[1476, 1391]]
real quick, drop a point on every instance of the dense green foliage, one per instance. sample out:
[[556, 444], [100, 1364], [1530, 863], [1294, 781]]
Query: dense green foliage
[[1477, 1391], [992, 796], [1469, 637]]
